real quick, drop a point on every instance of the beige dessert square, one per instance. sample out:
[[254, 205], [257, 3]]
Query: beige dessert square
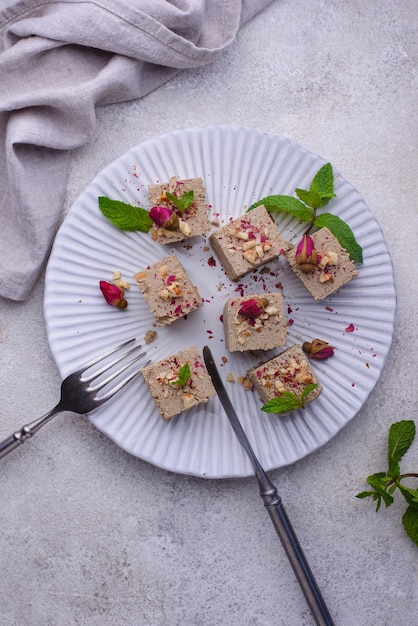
[[289, 371], [255, 322], [333, 269], [168, 290], [182, 225], [174, 392], [247, 242]]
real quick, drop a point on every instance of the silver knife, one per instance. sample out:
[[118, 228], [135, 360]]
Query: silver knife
[[274, 506]]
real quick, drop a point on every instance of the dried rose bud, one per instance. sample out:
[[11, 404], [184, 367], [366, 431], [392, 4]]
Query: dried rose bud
[[252, 308], [113, 294], [318, 349], [306, 254], [164, 217]]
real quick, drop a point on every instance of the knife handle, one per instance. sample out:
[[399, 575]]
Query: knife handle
[[290, 543]]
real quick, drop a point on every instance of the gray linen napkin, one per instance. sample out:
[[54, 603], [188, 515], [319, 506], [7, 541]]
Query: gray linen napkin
[[58, 61]]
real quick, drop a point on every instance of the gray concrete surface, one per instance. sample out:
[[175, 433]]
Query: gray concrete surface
[[92, 536]]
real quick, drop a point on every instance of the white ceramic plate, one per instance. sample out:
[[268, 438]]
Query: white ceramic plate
[[238, 166]]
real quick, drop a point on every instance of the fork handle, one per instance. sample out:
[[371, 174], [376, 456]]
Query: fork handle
[[26, 432], [294, 552]]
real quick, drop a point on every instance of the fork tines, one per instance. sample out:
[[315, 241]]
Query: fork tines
[[108, 367]]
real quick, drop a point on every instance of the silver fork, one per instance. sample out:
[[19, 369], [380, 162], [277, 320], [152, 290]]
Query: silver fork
[[78, 395]]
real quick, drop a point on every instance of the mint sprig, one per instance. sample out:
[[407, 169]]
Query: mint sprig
[[288, 401], [183, 202], [306, 205], [125, 216], [183, 376], [342, 232], [384, 484]]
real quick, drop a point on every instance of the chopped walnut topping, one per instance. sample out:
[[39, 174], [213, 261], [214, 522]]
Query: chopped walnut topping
[[164, 294], [150, 335], [175, 290], [184, 228], [270, 310], [249, 244], [326, 278], [245, 382], [117, 280], [188, 400], [303, 378], [279, 386], [162, 270], [330, 258], [239, 234], [250, 255]]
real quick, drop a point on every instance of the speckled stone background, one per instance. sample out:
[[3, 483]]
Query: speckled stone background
[[92, 536]]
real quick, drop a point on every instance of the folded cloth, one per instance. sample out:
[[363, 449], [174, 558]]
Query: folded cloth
[[58, 61]]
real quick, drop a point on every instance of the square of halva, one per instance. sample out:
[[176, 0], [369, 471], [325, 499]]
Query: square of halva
[[255, 322], [173, 224], [246, 243], [289, 371], [168, 290], [173, 394], [332, 269]]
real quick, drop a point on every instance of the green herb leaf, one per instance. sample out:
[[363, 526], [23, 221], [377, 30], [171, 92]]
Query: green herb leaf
[[378, 482], [410, 523], [312, 198], [307, 390], [323, 184], [287, 401], [401, 436], [365, 494], [342, 232], [286, 204], [125, 216], [183, 376], [410, 495], [182, 203]]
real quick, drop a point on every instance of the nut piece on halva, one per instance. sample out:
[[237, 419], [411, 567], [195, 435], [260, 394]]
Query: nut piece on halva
[[289, 371], [255, 322], [173, 224], [331, 269], [168, 290], [170, 392], [246, 243]]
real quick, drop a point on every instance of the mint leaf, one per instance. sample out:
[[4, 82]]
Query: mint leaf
[[410, 523], [410, 495], [287, 401], [286, 204], [401, 436], [323, 184], [342, 232], [182, 203], [183, 376], [307, 390], [125, 216], [378, 482], [311, 198], [365, 494], [321, 190]]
